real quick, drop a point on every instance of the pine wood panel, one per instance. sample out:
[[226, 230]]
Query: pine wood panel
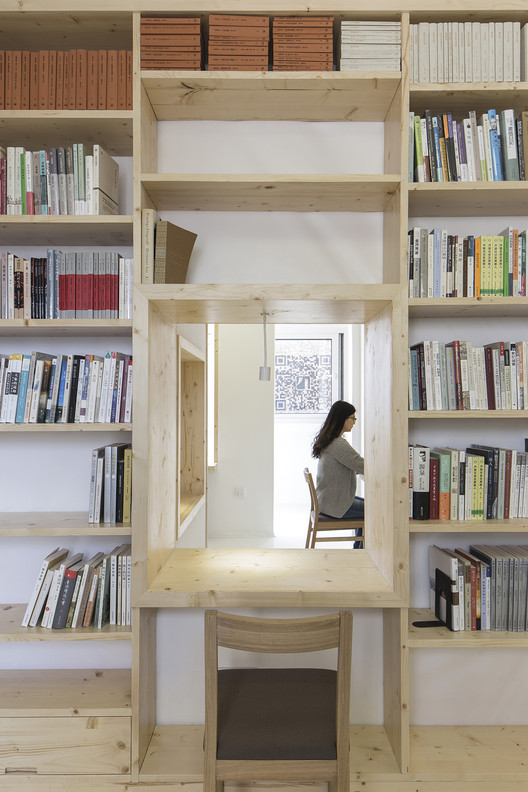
[[74, 427], [66, 327], [54, 230], [79, 745], [243, 304], [517, 525], [485, 415], [441, 637], [19, 128], [10, 629], [461, 97], [467, 199], [270, 193], [191, 431], [79, 25], [295, 96], [84, 692], [452, 308], [57, 524], [272, 577]]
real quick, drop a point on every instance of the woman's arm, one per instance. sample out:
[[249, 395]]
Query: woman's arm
[[343, 452]]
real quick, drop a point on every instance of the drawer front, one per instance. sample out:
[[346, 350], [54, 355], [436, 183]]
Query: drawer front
[[87, 746]]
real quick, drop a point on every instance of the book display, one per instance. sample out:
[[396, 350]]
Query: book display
[[105, 571]]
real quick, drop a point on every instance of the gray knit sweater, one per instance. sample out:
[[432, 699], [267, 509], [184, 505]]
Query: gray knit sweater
[[336, 477]]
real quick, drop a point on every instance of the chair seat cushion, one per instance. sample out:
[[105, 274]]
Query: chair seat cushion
[[276, 713]]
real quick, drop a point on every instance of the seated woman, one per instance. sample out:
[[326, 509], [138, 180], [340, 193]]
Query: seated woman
[[338, 465]]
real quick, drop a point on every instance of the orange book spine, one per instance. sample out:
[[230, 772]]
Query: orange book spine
[[90, 605], [66, 81], [91, 88], [121, 79], [81, 84], [43, 79], [52, 87], [101, 91], [72, 57], [59, 100], [33, 81], [24, 97], [129, 101], [16, 91], [444, 505], [111, 81], [8, 78]]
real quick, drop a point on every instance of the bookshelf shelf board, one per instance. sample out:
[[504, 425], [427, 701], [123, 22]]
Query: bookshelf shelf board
[[467, 199], [10, 629], [455, 307], [57, 524], [189, 506], [459, 98], [517, 525], [66, 327], [175, 753], [493, 755], [44, 129], [485, 415], [268, 578], [91, 25], [266, 193], [56, 230], [65, 692], [244, 304], [436, 637], [69, 427], [275, 96]]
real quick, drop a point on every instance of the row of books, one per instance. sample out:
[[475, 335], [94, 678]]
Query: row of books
[[166, 249], [447, 265], [170, 43], [303, 43], [370, 46], [491, 148], [75, 79], [470, 52], [110, 499], [87, 285], [65, 388], [459, 375], [479, 482], [482, 588], [238, 42], [72, 592], [67, 180]]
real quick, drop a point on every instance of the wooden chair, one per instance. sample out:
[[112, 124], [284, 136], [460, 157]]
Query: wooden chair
[[318, 523], [277, 724]]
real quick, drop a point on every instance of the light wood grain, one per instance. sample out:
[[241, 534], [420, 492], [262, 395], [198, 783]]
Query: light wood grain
[[425, 637], [479, 96], [517, 525], [66, 692], [191, 431], [19, 127], [54, 230], [10, 629], [270, 193], [295, 96], [468, 199], [481, 415], [57, 524], [65, 327], [452, 308], [74, 427]]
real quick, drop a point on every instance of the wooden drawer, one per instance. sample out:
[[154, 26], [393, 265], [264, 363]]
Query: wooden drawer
[[90, 746]]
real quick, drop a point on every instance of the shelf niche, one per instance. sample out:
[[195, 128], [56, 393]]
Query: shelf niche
[[175, 577]]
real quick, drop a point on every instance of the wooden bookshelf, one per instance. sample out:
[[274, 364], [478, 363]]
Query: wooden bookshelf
[[441, 637], [69, 427], [57, 524], [55, 230], [117, 328], [10, 629], [467, 199], [516, 525], [486, 415], [464, 307]]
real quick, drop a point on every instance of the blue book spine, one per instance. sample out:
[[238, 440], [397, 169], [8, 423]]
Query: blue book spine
[[53, 374], [436, 137], [44, 208], [495, 146], [60, 399], [22, 390]]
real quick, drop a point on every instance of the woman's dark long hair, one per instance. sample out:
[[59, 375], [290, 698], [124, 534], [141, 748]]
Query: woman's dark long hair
[[338, 413]]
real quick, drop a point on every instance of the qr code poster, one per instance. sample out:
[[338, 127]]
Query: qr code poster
[[303, 375]]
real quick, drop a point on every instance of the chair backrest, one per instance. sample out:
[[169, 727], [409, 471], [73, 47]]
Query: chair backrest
[[314, 503]]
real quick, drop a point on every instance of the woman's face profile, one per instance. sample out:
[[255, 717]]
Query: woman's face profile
[[349, 423]]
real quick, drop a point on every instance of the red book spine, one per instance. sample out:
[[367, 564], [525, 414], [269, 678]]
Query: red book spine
[[434, 472]]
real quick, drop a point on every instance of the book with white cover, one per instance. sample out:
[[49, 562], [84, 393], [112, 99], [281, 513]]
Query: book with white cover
[[53, 558], [105, 173]]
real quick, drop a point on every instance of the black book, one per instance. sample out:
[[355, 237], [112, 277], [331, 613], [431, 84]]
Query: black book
[[433, 164], [492, 476], [120, 489], [66, 593], [73, 389]]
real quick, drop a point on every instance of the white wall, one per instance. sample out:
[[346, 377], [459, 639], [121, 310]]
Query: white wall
[[245, 436]]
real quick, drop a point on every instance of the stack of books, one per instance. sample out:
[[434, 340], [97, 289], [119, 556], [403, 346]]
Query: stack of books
[[171, 43], [77, 79], [459, 375], [71, 592], [43, 387], [238, 42], [303, 43], [479, 482], [111, 484], [370, 46]]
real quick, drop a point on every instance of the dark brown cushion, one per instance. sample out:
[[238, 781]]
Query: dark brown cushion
[[276, 713]]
